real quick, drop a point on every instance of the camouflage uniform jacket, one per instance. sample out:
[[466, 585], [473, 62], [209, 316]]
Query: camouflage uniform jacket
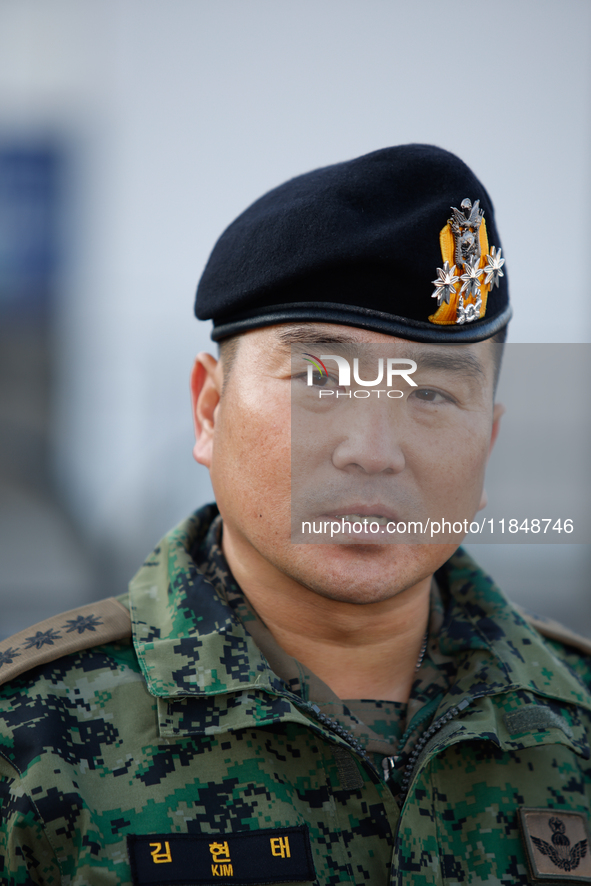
[[171, 753]]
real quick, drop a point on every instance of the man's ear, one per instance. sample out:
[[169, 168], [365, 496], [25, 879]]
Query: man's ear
[[498, 412], [206, 390]]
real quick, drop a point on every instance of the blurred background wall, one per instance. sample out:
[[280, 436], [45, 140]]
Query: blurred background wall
[[133, 131]]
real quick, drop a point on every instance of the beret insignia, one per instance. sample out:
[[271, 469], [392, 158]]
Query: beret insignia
[[469, 270]]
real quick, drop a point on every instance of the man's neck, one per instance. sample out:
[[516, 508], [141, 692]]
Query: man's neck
[[360, 650]]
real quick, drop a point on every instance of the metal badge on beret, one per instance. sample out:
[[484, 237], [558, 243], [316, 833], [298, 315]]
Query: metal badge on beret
[[469, 270]]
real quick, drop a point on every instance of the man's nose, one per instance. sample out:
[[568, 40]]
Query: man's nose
[[370, 443]]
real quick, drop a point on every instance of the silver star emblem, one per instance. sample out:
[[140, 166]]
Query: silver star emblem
[[444, 285], [471, 282], [493, 268]]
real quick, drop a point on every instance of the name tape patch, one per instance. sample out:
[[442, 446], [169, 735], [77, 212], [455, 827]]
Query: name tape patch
[[276, 855], [557, 844]]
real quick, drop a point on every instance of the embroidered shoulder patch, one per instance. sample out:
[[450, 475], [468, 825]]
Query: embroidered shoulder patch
[[278, 855], [557, 844]]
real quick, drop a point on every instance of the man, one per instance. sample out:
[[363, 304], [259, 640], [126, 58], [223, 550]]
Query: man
[[262, 711]]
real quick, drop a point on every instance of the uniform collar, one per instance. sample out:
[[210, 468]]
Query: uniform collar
[[499, 651], [190, 644], [186, 638]]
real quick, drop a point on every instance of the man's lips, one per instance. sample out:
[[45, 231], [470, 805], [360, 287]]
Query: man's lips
[[380, 512]]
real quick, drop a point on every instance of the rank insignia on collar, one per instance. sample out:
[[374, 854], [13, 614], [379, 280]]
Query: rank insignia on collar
[[557, 844], [469, 270]]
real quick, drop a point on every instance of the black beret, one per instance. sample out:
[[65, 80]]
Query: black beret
[[401, 241]]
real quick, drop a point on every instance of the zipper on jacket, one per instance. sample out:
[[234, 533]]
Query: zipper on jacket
[[421, 743], [389, 763], [335, 726]]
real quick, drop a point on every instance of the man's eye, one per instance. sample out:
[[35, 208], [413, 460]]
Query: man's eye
[[429, 395], [320, 380]]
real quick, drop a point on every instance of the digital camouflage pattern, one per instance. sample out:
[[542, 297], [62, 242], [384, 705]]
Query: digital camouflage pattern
[[185, 729]]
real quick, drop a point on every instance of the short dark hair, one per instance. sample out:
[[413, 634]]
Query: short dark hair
[[227, 349], [498, 339]]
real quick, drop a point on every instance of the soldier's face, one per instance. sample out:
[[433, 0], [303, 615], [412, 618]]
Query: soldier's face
[[420, 457]]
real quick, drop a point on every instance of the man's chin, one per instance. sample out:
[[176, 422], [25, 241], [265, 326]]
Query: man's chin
[[369, 573]]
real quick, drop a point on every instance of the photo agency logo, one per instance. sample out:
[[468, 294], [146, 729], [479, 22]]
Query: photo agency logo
[[389, 371]]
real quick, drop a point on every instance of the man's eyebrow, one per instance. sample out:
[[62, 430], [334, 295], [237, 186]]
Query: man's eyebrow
[[448, 359], [295, 335]]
